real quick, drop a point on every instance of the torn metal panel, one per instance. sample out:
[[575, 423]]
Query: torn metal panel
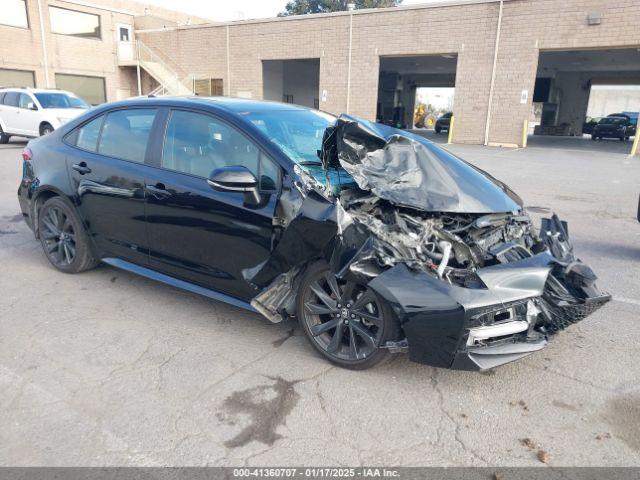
[[307, 237], [276, 302]]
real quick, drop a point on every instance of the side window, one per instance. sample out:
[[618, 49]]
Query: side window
[[87, 135], [198, 144], [125, 134], [25, 100], [1, 98], [11, 99]]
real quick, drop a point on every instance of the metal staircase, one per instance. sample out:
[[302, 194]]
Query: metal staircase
[[171, 78]]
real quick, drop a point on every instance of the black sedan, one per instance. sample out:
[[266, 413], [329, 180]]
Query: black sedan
[[443, 122], [614, 126], [376, 240]]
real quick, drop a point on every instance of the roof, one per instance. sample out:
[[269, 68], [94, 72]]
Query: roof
[[230, 104], [34, 90], [309, 16], [239, 105]]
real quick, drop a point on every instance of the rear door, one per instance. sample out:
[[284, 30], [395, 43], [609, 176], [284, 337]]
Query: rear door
[[106, 165], [199, 234], [9, 112]]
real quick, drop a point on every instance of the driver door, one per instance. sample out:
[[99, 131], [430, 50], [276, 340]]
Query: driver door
[[199, 234]]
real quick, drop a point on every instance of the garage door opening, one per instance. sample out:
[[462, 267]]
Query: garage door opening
[[292, 81], [575, 89], [413, 91]]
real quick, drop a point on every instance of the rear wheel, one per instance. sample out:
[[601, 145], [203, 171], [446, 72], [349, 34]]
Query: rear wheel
[[63, 239], [438, 129], [45, 129], [346, 322], [4, 138], [593, 137]]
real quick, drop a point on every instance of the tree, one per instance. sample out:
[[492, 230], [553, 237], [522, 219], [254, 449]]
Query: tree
[[302, 7]]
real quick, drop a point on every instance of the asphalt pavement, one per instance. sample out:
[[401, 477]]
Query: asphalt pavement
[[106, 368]]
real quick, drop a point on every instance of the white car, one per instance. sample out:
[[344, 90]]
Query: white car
[[31, 112]]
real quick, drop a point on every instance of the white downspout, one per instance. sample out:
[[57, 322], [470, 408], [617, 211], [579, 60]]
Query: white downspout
[[138, 74], [349, 63], [493, 75], [228, 66], [45, 56]]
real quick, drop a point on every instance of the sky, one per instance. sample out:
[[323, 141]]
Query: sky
[[225, 10]]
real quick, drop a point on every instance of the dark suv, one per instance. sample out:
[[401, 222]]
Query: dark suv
[[375, 239]]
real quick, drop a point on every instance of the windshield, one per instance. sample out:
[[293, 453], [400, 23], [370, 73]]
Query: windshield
[[613, 121], [298, 133], [60, 100]]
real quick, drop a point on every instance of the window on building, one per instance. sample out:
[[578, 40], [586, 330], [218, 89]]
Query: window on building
[[198, 144], [14, 13], [208, 87], [125, 134], [74, 23], [16, 78], [91, 89]]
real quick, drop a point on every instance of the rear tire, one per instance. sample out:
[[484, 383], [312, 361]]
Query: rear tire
[[4, 138], [63, 238], [345, 322], [46, 129], [594, 138], [438, 129]]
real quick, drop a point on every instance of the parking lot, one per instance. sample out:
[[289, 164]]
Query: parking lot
[[106, 368]]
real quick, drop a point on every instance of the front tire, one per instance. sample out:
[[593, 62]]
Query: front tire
[[347, 323], [46, 129], [63, 238]]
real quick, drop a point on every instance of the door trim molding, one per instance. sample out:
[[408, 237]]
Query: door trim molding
[[177, 283]]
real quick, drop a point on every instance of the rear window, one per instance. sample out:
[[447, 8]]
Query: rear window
[[11, 99], [125, 134], [86, 137]]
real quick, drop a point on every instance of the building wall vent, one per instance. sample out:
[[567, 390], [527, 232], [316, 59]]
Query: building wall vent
[[594, 19]]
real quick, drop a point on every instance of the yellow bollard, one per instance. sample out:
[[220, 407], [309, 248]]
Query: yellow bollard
[[525, 133], [450, 130], [634, 148]]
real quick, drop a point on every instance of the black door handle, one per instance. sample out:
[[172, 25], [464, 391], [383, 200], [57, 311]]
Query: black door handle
[[81, 168]]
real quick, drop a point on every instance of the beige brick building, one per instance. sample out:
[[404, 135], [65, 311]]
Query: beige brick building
[[74, 44], [505, 59], [352, 46]]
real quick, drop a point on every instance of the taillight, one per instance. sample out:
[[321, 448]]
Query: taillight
[[27, 154]]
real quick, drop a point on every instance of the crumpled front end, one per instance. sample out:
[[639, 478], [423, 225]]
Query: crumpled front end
[[471, 282]]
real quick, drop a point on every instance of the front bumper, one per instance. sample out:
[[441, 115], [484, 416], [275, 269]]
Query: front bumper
[[449, 326]]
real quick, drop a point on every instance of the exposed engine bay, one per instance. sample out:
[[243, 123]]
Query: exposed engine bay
[[452, 246], [451, 249]]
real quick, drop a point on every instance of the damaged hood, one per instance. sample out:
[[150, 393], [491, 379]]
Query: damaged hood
[[410, 171]]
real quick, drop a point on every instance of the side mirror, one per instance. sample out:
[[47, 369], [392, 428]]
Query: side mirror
[[32, 106], [235, 179]]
